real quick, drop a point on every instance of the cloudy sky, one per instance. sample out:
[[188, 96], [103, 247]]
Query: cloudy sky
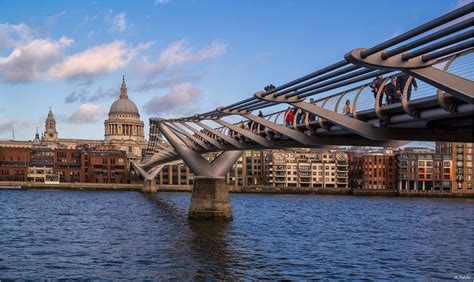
[[179, 57]]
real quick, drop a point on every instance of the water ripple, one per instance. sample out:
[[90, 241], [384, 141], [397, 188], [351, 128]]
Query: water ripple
[[128, 235]]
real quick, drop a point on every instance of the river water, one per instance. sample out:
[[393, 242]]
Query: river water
[[125, 235]]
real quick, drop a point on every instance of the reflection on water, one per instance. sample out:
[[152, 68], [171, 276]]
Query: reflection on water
[[125, 235], [207, 245]]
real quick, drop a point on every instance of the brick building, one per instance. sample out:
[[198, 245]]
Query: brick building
[[70, 165], [105, 166], [14, 163], [373, 169]]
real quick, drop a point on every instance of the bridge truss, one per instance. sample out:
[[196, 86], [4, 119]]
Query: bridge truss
[[439, 54]]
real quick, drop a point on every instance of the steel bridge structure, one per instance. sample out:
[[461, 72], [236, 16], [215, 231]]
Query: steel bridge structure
[[345, 109]]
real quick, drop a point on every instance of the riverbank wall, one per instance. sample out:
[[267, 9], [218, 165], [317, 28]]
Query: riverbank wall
[[75, 186], [263, 190], [240, 189]]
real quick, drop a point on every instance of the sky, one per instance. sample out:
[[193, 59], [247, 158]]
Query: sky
[[179, 57]]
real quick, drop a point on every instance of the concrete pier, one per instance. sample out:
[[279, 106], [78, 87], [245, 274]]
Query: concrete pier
[[149, 186], [210, 199]]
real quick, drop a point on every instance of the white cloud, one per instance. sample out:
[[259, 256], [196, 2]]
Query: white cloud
[[87, 113], [168, 81], [30, 61], [161, 2], [85, 96], [12, 36], [6, 125], [97, 60], [179, 53], [119, 23], [180, 99], [31, 57]]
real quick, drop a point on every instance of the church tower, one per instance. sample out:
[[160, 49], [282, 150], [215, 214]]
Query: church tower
[[50, 133], [123, 129]]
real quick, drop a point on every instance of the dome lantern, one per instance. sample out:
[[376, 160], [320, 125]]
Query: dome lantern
[[123, 105]]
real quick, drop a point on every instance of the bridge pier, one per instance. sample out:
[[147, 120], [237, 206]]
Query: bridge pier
[[210, 199], [149, 186]]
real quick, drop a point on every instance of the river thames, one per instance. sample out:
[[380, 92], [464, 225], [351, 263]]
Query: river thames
[[129, 235]]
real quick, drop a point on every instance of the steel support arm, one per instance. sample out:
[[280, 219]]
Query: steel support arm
[[221, 135], [199, 165], [289, 132], [151, 174], [367, 130], [457, 86], [209, 139], [183, 137], [250, 135], [194, 138]]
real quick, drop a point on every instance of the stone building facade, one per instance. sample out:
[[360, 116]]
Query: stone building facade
[[462, 155], [123, 131], [293, 168], [50, 132], [306, 168], [421, 169]]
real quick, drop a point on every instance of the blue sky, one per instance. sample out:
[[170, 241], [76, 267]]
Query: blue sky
[[179, 57]]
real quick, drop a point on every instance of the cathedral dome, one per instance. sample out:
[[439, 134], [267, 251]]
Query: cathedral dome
[[124, 121], [123, 105]]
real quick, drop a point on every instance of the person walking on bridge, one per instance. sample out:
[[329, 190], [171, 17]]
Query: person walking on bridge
[[402, 81], [375, 85], [289, 117], [392, 92], [312, 117], [347, 111], [261, 127]]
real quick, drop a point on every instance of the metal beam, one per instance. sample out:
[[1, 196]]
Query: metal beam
[[197, 163], [367, 130], [457, 86], [192, 158], [209, 139], [290, 133], [194, 138], [250, 135], [183, 137], [221, 135]]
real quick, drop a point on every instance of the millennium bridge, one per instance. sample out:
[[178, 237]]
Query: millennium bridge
[[346, 107]]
